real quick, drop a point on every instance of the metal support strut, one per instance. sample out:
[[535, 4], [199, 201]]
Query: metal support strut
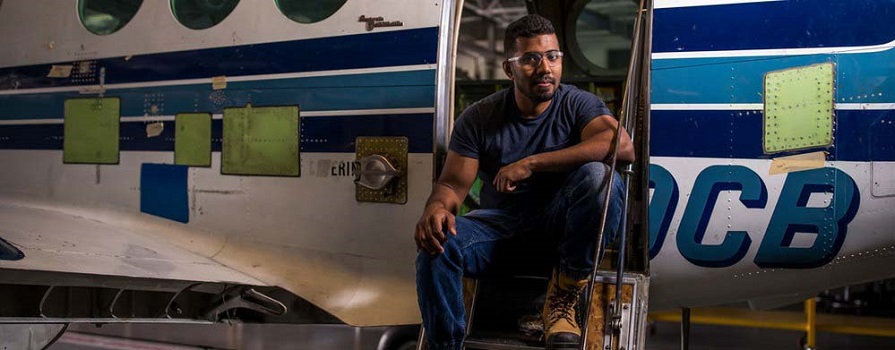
[[629, 108], [811, 324], [685, 328], [247, 298]]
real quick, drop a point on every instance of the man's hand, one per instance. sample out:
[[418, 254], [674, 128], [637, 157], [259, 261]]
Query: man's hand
[[447, 196], [511, 174], [430, 229]]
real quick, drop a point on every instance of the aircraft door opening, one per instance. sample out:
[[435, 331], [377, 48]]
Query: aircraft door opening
[[596, 37]]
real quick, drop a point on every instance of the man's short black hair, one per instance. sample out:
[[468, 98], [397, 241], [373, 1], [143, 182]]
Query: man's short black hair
[[526, 27]]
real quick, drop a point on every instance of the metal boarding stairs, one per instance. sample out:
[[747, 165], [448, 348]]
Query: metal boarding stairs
[[608, 327], [616, 314]]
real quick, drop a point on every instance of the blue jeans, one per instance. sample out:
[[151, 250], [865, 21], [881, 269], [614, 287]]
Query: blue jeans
[[489, 239]]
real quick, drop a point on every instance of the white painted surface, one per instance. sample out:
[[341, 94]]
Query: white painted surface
[[306, 234], [154, 29], [867, 253], [60, 241], [883, 178]]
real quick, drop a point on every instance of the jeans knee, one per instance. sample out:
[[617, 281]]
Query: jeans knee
[[423, 261], [592, 172], [589, 179], [450, 259]]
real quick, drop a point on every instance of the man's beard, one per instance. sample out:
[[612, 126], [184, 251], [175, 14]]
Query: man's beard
[[538, 96]]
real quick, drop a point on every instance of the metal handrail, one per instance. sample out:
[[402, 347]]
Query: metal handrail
[[624, 119]]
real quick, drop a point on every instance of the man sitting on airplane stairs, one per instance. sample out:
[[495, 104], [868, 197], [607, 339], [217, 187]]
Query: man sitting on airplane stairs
[[540, 149]]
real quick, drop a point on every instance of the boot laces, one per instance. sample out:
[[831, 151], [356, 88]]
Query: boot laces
[[562, 305]]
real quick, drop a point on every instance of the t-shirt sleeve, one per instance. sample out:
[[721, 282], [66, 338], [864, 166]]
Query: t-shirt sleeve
[[465, 139], [590, 107]]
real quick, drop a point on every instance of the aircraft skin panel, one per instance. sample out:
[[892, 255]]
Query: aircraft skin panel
[[784, 24], [661, 4], [263, 208], [677, 81], [724, 227], [306, 234], [53, 239], [154, 29], [290, 59], [852, 141], [266, 209], [866, 252], [349, 264], [40, 102], [329, 133], [360, 290]]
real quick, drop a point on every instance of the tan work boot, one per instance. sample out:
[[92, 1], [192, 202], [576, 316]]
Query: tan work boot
[[561, 328]]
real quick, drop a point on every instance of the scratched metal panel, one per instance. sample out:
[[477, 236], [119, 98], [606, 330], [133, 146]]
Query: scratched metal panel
[[798, 108], [261, 141], [91, 130]]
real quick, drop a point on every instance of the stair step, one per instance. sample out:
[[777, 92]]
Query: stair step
[[498, 343], [507, 313]]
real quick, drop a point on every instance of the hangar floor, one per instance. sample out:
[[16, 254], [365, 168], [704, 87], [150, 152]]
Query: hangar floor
[[665, 337]]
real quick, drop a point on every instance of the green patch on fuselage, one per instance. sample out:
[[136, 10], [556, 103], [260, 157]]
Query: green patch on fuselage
[[192, 139], [261, 141], [798, 109], [91, 130]]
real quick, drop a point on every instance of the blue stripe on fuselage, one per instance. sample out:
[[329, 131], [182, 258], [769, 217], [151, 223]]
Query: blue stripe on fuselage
[[318, 134], [774, 25], [860, 78], [372, 50], [860, 135], [387, 90]]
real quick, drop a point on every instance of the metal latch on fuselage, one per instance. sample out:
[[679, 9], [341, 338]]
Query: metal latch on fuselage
[[382, 170]]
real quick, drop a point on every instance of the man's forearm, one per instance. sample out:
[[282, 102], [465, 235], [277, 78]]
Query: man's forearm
[[592, 150], [598, 139], [444, 195]]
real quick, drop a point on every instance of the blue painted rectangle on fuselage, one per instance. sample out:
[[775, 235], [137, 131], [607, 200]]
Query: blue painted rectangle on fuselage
[[163, 191]]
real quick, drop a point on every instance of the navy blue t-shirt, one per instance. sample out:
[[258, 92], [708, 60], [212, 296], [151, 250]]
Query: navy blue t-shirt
[[494, 131]]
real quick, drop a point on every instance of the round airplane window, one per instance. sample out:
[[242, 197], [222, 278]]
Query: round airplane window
[[306, 11], [603, 31], [103, 17], [202, 14]]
